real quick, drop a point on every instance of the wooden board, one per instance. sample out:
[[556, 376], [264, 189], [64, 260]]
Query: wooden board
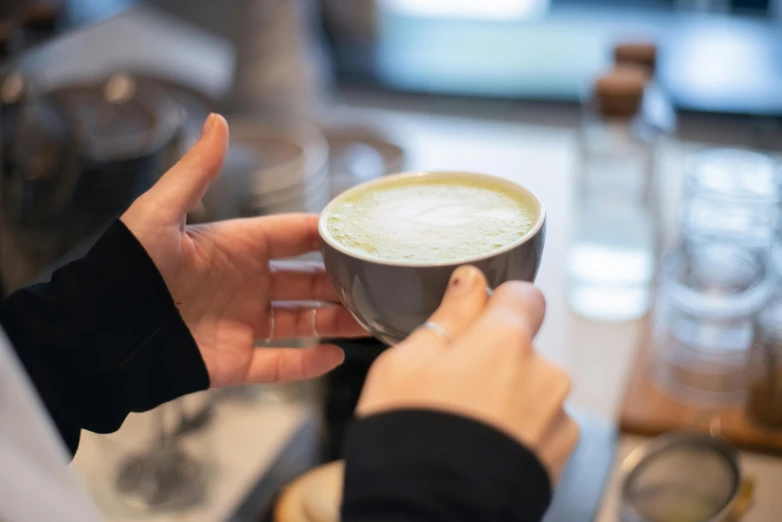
[[647, 411]]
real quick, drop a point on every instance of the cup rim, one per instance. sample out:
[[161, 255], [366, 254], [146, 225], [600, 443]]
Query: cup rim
[[541, 217]]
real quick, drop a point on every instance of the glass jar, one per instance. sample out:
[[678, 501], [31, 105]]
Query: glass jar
[[708, 296], [731, 195]]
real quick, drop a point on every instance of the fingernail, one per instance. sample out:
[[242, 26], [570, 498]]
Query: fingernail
[[210, 120], [463, 280]]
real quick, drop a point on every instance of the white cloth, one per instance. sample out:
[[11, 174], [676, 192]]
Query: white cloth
[[36, 484]]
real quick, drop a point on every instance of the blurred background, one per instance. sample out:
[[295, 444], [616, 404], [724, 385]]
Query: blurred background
[[650, 129]]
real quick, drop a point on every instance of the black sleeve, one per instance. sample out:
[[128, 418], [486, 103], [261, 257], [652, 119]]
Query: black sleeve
[[103, 338], [427, 466]]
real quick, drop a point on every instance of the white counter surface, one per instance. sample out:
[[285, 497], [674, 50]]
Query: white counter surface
[[240, 445]]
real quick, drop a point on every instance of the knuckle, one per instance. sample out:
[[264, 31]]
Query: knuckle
[[520, 341], [507, 337], [457, 314], [520, 292], [562, 380], [507, 321], [573, 433], [560, 384], [525, 301], [555, 374], [319, 283], [536, 297], [509, 290], [302, 325], [557, 382], [512, 330]]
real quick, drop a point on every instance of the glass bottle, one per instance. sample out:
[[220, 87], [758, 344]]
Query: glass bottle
[[656, 106], [612, 257], [708, 295]]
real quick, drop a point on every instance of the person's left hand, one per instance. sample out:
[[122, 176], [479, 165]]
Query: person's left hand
[[220, 275]]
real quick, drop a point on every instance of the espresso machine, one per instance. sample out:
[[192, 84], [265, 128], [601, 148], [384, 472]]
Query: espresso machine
[[73, 158]]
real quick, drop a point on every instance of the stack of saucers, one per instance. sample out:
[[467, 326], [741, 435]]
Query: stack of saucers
[[358, 154], [270, 171]]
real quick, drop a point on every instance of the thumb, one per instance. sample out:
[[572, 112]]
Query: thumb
[[464, 300], [183, 186]]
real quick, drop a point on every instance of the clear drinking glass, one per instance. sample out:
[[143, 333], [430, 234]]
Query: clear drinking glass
[[731, 195], [703, 320], [776, 251]]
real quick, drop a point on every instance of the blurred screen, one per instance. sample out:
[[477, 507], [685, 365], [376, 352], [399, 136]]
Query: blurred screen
[[467, 9], [715, 56]]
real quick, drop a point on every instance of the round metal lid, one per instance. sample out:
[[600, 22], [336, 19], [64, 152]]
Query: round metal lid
[[680, 477]]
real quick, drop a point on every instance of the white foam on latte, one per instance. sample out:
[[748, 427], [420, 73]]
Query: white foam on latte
[[430, 220]]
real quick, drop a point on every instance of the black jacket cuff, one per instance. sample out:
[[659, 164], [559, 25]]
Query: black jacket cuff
[[434, 466], [103, 338]]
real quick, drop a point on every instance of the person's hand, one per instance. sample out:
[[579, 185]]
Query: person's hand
[[479, 362], [222, 280]]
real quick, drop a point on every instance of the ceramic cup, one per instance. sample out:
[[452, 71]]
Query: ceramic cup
[[391, 298]]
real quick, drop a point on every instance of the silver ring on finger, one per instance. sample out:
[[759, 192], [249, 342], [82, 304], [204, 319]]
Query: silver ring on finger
[[314, 320], [438, 330], [272, 324]]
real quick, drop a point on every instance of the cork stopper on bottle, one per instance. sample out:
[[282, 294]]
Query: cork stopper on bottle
[[639, 54], [618, 94]]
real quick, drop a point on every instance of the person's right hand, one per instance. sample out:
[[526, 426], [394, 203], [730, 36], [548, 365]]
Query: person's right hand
[[485, 368]]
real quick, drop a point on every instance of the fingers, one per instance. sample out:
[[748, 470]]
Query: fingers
[[301, 281], [464, 300], [280, 235], [513, 316], [543, 422], [293, 364], [293, 321], [561, 440], [522, 300], [183, 186], [553, 386]]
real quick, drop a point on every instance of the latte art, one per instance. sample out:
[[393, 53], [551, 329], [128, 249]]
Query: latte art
[[430, 221]]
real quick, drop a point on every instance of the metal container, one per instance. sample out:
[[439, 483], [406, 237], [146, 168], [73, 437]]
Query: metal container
[[684, 477]]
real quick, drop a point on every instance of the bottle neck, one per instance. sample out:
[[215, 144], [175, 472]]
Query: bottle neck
[[635, 128]]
